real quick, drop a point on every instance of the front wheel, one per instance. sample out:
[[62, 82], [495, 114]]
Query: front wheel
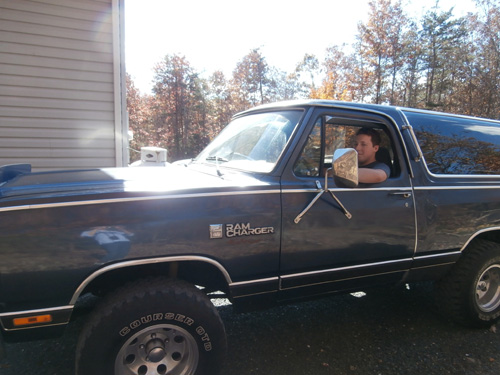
[[470, 293], [154, 326]]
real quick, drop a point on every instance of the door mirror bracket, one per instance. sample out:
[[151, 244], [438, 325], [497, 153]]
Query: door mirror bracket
[[320, 193]]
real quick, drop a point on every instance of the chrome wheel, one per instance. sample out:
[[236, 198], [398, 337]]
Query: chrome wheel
[[488, 289], [158, 350], [152, 326]]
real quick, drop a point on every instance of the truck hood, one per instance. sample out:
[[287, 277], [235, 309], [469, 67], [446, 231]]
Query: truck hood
[[152, 180]]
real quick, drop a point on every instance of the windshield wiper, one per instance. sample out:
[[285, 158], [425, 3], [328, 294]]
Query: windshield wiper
[[217, 160]]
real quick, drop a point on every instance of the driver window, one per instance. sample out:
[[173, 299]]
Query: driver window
[[331, 133]]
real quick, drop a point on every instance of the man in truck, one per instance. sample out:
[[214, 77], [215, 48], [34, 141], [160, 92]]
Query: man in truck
[[370, 170]]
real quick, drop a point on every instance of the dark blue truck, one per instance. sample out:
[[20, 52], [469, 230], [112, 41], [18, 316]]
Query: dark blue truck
[[270, 212]]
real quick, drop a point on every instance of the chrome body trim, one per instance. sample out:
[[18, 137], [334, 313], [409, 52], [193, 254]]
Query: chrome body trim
[[438, 255], [415, 219], [475, 187], [35, 326], [140, 262], [251, 192], [388, 189], [258, 281], [469, 176], [420, 155], [135, 199], [403, 143], [37, 311], [375, 264], [485, 230], [312, 273], [337, 280]]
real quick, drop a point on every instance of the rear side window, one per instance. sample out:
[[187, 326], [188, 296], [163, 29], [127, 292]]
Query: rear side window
[[456, 145]]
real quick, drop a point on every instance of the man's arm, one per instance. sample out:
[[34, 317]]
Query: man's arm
[[371, 175]]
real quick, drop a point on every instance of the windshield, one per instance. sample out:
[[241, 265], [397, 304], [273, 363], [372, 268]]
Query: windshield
[[253, 143]]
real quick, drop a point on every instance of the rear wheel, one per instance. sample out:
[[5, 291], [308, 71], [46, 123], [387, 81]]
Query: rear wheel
[[470, 293], [154, 326], [488, 289]]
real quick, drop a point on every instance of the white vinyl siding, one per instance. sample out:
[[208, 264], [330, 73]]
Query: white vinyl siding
[[61, 94]]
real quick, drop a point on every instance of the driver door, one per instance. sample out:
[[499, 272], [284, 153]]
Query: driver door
[[324, 251]]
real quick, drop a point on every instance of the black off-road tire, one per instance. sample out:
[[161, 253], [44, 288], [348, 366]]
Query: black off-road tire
[[153, 326], [470, 293]]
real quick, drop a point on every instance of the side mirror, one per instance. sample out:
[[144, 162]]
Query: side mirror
[[345, 167]]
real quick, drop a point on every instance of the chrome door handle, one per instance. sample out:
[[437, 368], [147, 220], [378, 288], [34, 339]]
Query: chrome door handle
[[404, 194]]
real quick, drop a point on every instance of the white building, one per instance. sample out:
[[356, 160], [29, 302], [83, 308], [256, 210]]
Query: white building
[[62, 84]]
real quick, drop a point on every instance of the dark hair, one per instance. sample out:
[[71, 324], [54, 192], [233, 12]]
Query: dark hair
[[372, 133]]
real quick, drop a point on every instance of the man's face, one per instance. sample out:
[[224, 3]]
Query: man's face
[[366, 150]]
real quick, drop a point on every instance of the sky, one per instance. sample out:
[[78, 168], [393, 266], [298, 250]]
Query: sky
[[217, 34]]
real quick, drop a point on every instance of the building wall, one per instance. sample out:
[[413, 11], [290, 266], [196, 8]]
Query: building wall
[[62, 94]]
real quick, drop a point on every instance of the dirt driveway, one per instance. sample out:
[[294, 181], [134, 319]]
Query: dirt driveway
[[386, 331]]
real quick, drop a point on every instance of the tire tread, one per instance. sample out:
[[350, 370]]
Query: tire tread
[[136, 291]]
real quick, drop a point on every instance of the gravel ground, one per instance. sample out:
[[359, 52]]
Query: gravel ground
[[387, 332]]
